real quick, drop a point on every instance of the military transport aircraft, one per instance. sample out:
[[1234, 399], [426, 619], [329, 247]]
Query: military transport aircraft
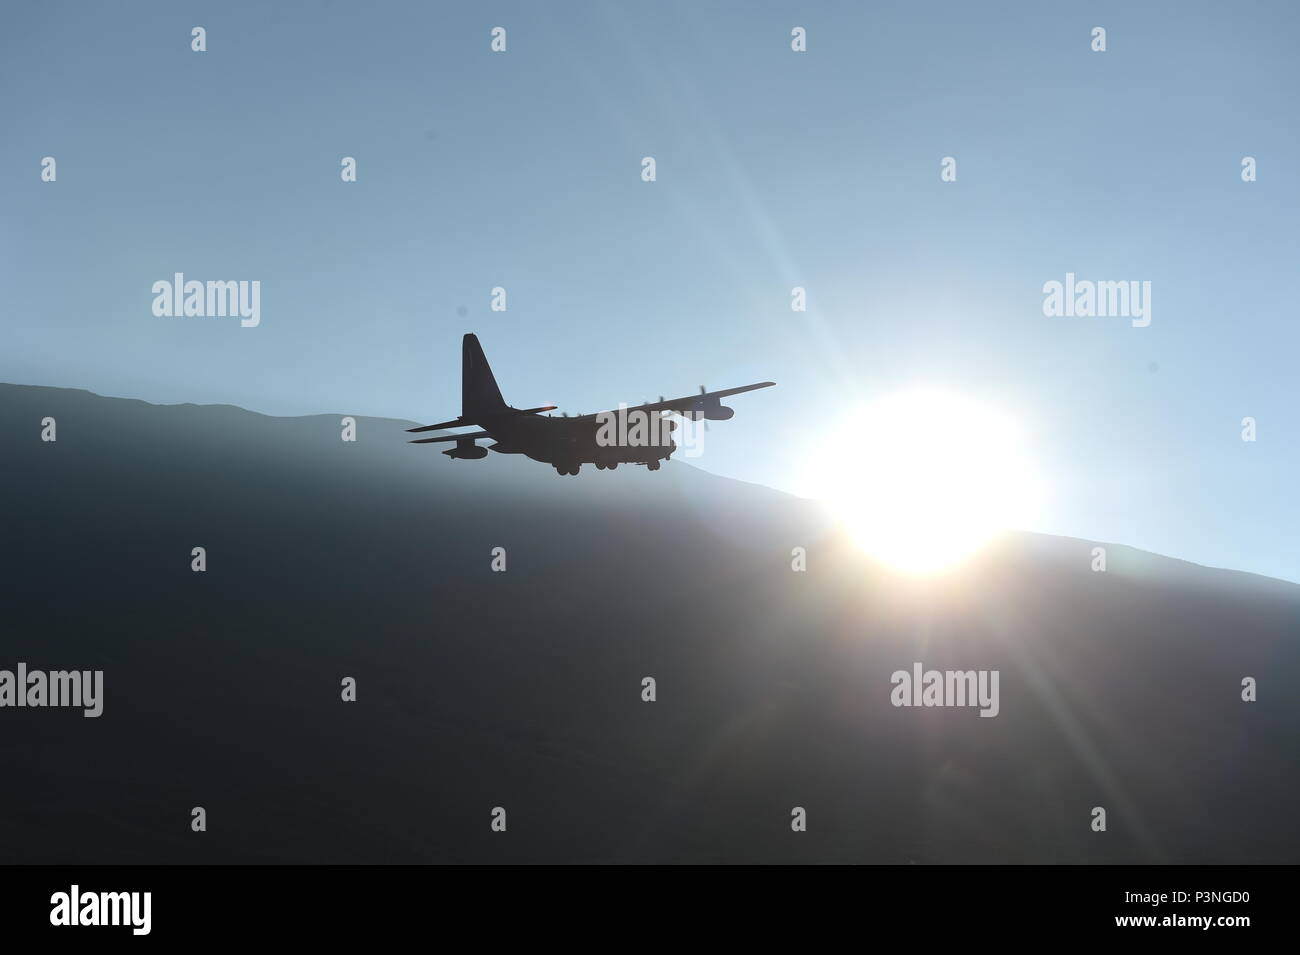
[[637, 435]]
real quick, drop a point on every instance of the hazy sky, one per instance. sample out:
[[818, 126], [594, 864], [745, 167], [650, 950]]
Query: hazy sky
[[774, 170]]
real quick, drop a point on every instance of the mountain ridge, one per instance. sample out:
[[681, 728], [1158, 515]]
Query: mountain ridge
[[400, 424]]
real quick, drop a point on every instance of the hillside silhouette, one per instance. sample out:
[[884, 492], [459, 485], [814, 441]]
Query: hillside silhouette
[[522, 689]]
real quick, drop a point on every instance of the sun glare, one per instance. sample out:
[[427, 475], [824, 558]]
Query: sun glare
[[923, 479]]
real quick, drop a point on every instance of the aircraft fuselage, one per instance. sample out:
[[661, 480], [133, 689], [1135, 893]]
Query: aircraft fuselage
[[569, 442]]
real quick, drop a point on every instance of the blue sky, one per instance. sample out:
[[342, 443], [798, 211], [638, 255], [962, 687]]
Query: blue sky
[[775, 169]]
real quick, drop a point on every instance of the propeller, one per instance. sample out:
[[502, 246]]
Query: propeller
[[704, 390]]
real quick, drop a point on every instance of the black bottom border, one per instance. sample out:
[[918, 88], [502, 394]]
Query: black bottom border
[[339, 903]]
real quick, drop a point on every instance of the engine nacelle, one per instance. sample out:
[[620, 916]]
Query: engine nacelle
[[710, 408], [467, 449]]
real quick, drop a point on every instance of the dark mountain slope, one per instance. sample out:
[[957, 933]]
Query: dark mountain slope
[[522, 689]]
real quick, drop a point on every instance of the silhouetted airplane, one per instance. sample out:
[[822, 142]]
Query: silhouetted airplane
[[638, 435]]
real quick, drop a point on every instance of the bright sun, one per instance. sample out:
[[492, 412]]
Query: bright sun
[[923, 479]]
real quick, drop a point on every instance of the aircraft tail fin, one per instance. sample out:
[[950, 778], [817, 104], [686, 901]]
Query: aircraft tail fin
[[479, 393]]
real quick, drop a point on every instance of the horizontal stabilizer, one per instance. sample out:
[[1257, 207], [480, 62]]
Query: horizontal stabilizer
[[461, 422], [439, 426]]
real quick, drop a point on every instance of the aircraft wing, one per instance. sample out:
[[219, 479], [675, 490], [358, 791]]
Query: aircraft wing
[[451, 437], [693, 402]]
